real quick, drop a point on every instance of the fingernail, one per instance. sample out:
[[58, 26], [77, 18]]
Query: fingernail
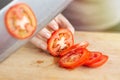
[[54, 25], [43, 46], [47, 35]]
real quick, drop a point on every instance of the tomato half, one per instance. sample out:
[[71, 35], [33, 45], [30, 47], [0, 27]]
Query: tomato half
[[83, 44], [20, 21], [59, 41], [94, 57], [74, 58], [100, 62]]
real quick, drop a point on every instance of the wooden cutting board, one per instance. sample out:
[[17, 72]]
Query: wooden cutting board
[[30, 63]]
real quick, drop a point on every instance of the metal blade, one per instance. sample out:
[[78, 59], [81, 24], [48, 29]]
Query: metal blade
[[45, 11]]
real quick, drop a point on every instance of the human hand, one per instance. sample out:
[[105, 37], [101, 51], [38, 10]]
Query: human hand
[[40, 40]]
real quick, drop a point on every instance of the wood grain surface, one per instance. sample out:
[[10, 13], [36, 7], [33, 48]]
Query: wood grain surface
[[31, 63]]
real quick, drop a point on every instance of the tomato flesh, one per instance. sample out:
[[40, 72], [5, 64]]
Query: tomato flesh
[[94, 56], [82, 45], [61, 44], [59, 41], [99, 62], [74, 58], [20, 21]]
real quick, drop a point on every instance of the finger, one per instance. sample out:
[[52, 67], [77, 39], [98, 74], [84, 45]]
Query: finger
[[53, 25], [45, 33], [40, 37], [39, 43], [63, 22]]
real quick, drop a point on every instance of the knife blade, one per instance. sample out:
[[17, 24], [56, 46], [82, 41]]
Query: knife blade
[[44, 10]]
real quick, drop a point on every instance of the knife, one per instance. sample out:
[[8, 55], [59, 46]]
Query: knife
[[44, 10]]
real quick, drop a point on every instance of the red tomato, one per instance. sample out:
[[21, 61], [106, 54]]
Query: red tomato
[[83, 44], [94, 56], [100, 62], [59, 41], [20, 21], [74, 58]]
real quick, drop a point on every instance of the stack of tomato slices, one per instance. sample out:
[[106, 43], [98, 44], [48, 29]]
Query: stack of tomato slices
[[61, 44]]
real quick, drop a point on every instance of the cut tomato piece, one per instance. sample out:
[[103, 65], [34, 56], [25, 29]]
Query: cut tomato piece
[[20, 21], [83, 44], [74, 58], [72, 48], [94, 56], [100, 62], [59, 41]]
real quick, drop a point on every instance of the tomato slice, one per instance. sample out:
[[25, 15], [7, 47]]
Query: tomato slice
[[94, 56], [59, 41], [100, 62], [20, 21], [83, 44], [74, 58]]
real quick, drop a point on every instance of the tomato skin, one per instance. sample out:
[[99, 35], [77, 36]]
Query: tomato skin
[[74, 58], [83, 44], [54, 48], [100, 62], [72, 48], [9, 15], [73, 55], [94, 57]]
